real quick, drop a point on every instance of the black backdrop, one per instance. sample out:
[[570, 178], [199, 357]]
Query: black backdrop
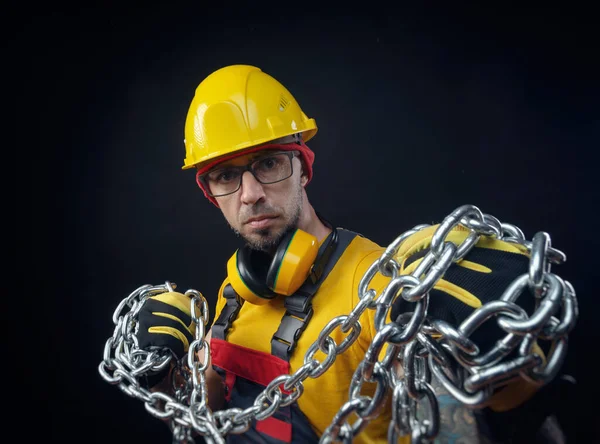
[[419, 112]]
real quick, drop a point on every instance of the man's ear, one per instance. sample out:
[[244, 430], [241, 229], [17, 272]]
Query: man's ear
[[303, 175]]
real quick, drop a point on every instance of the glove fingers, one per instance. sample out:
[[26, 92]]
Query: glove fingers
[[482, 276], [445, 307], [441, 306], [167, 337], [162, 325], [487, 273], [157, 306]]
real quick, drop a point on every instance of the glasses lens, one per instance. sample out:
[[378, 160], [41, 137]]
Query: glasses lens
[[223, 181], [272, 168]]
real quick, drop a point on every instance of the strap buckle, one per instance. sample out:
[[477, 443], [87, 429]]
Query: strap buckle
[[292, 325]]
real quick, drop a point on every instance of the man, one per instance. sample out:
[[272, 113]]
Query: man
[[246, 135]]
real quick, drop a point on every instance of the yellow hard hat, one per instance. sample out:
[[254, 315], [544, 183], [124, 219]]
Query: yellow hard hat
[[237, 107]]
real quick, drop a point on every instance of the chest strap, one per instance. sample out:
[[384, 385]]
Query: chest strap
[[298, 307]]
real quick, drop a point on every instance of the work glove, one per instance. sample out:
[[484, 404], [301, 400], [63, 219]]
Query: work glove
[[481, 276], [165, 322]]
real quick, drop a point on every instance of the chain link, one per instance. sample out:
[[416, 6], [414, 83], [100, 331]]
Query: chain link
[[423, 347]]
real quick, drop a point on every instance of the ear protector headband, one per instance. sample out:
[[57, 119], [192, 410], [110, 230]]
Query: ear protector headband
[[258, 277]]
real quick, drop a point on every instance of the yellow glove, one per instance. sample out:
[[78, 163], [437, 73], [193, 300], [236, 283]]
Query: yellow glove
[[165, 322], [480, 277]]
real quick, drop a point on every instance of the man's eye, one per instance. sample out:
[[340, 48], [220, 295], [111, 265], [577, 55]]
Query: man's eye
[[225, 176], [267, 163]]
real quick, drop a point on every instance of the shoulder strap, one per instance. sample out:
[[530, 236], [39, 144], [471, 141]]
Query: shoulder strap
[[228, 314], [299, 305]]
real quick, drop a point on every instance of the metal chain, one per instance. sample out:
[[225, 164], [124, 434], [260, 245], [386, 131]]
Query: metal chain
[[423, 347]]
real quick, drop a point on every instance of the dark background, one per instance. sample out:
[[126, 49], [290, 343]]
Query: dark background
[[419, 112]]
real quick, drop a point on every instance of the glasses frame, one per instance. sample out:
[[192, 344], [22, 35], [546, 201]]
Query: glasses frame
[[248, 167]]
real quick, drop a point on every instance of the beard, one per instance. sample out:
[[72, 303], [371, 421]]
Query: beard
[[269, 238]]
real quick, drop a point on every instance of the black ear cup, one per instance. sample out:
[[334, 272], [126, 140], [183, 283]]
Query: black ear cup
[[278, 260], [252, 266]]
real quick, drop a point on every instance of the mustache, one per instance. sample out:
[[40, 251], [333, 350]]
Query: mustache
[[256, 210]]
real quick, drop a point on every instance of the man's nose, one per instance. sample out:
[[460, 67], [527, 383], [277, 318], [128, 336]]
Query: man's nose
[[252, 189]]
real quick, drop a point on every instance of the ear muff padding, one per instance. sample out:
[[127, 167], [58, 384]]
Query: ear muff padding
[[278, 259], [247, 271]]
